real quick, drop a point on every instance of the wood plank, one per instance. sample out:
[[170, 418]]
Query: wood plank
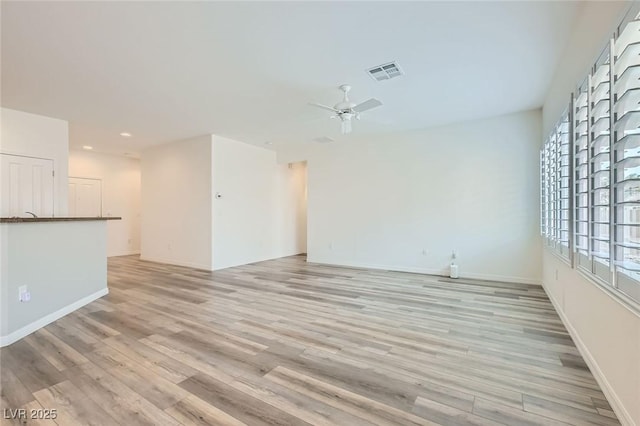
[[13, 393], [236, 403], [72, 406], [54, 350], [564, 413], [155, 361], [194, 411], [510, 416], [448, 416], [159, 391], [33, 371], [345, 400], [122, 403]]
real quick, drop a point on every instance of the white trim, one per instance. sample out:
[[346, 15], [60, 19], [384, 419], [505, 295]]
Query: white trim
[[127, 253], [216, 268], [208, 268], [502, 278], [432, 271], [48, 319], [618, 407], [175, 262]]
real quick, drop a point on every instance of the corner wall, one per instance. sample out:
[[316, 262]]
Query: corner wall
[[606, 332], [177, 203], [258, 216]]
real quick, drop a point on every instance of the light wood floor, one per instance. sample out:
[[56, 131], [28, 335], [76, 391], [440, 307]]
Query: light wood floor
[[287, 343]]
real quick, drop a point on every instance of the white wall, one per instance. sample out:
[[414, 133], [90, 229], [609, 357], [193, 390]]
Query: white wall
[[43, 137], [606, 332], [120, 177], [260, 215], [299, 182], [472, 187], [177, 203]]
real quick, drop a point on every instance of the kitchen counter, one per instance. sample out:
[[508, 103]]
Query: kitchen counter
[[53, 219]]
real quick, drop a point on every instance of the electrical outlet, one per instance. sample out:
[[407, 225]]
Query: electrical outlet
[[330, 246], [424, 252], [23, 294], [556, 275]]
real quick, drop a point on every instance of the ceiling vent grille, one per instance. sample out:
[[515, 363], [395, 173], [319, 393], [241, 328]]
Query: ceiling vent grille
[[385, 71]]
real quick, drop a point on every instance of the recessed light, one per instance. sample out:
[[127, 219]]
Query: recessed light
[[87, 147], [125, 135]]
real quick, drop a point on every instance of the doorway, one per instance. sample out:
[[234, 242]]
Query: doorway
[[26, 186], [85, 197]]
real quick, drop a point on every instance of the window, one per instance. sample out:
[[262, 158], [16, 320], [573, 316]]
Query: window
[[547, 185], [590, 170], [626, 136], [544, 226], [555, 187], [563, 205], [600, 170], [581, 174]]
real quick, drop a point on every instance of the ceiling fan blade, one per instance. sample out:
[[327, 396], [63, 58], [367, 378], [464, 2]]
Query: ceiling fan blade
[[367, 105], [328, 108]]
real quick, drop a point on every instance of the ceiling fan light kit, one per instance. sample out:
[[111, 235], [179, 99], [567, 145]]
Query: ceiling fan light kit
[[346, 110]]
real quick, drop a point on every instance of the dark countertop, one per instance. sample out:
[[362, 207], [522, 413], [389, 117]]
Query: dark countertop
[[53, 219]]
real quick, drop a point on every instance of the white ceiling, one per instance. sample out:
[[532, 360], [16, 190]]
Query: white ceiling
[[170, 70]]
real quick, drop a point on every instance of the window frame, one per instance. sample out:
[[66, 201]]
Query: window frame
[[556, 209], [619, 222]]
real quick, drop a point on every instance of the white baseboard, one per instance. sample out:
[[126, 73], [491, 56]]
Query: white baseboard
[[618, 407], [128, 253], [261, 259], [433, 271], [502, 278], [214, 268], [48, 319], [175, 262]]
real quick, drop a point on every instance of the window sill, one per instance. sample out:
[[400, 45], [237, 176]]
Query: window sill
[[566, 260], [628, 303]]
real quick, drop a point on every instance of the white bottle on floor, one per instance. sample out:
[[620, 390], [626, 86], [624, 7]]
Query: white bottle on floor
[[453, 270]]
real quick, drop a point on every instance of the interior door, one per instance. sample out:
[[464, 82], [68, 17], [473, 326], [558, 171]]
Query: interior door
[[26, 186], [85, 197]]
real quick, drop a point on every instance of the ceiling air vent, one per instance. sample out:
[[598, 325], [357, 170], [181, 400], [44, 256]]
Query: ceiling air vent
[[385, 71]]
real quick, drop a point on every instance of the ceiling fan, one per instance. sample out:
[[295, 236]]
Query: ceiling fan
[[346, 110]]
